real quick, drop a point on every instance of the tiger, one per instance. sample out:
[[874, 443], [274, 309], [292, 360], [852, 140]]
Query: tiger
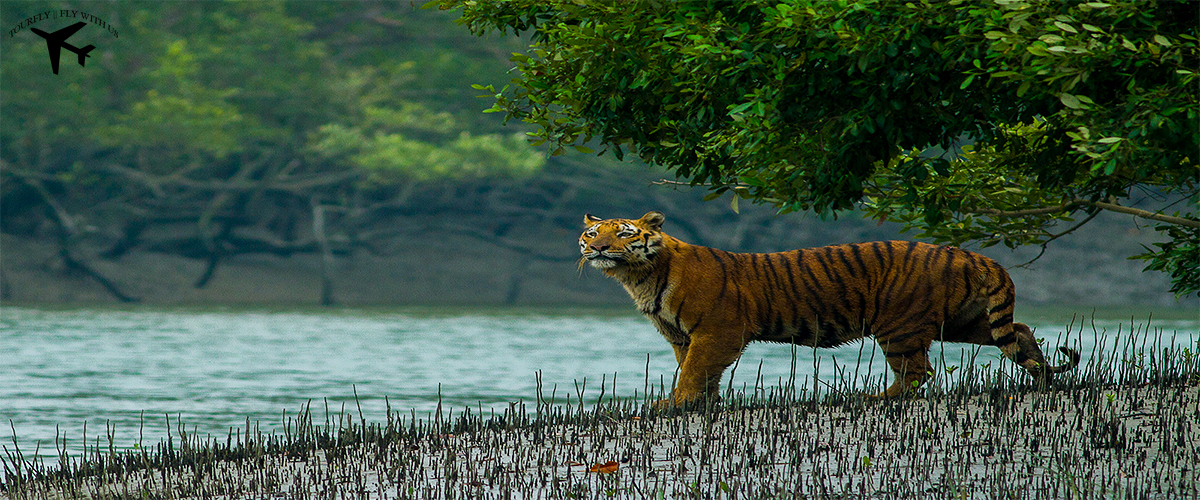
[[709, 304]]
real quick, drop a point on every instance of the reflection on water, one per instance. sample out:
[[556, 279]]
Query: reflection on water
[[129, 370]]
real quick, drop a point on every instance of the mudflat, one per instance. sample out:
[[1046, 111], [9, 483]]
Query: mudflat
[[1134, 434]]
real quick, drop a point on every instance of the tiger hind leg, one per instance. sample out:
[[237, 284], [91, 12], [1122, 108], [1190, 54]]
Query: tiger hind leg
[[909, 361]]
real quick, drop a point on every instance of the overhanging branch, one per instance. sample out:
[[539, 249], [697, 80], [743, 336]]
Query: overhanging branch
[[1025, 213], [1103, 205], [1146, 214], [1070, 205]]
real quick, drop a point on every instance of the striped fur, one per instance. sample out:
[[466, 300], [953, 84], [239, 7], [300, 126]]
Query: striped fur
[[709, 304]]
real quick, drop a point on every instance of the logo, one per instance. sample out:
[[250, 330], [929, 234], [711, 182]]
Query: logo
[[57, 40]]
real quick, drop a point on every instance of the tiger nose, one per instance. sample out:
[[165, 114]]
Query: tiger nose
[[600, 248]]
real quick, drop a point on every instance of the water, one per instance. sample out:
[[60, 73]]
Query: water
[[126, 372]]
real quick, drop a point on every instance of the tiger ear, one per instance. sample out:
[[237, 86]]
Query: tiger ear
[[589, 219], [653, 220]]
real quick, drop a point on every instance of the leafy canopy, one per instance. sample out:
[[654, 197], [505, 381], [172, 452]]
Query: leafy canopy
[[1072, 107]]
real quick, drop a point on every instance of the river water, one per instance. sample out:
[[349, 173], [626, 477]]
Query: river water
[[126, 372]]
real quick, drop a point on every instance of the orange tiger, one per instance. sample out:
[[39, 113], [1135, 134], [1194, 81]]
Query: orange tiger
[[709, 304]]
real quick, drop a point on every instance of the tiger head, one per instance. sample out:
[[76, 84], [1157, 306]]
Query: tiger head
[[613, 243]]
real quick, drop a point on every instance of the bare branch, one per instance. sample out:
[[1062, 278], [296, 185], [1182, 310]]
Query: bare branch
[[68, 233], [1046, 243], [668, 182], [280, 183]]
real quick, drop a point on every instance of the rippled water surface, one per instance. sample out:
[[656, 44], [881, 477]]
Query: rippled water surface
[[127, 370]]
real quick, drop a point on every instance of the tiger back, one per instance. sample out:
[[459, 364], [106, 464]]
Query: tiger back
[[709, 304]]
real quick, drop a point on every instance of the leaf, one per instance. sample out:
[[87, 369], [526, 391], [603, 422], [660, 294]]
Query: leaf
[[1024, 88], [1110, 167], [608, 467], [733, 204], [740, 108], [1065, 27], [1070, 101], [1110, 140], [1162, 40], [967, 81]]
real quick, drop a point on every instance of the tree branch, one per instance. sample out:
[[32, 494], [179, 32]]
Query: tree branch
[[1046, 243], [285, 184], [67, 233], [1103, 205], [1146, 214], [1025, 213]]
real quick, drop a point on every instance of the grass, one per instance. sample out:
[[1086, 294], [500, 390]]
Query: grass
[[1119, 426]]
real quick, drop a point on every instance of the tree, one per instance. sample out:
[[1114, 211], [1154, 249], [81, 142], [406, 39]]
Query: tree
[[1070, 108]]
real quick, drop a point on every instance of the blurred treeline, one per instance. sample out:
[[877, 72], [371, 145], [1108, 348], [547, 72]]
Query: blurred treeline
[[238, 125], [328, 131]]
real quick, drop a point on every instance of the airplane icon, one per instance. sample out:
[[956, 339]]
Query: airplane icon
[[58, 40]]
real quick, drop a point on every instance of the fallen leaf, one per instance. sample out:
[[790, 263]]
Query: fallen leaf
[[605, 468]]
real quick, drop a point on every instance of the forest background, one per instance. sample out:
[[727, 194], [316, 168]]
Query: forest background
[[336, 153]]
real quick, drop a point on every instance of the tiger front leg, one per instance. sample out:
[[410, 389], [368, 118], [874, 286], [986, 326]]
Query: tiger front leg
[[704, 360], [680, 352]]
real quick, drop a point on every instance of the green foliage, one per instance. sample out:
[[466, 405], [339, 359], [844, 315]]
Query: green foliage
[[824, 105], [201, 88], [205, 123], [393, 140], [1178, 256], [390, 157], [966, 198]]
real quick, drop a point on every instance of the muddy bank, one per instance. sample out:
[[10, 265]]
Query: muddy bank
[[418, 273]]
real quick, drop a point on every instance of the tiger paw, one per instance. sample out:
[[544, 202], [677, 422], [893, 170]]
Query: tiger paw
[[685, 402]]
